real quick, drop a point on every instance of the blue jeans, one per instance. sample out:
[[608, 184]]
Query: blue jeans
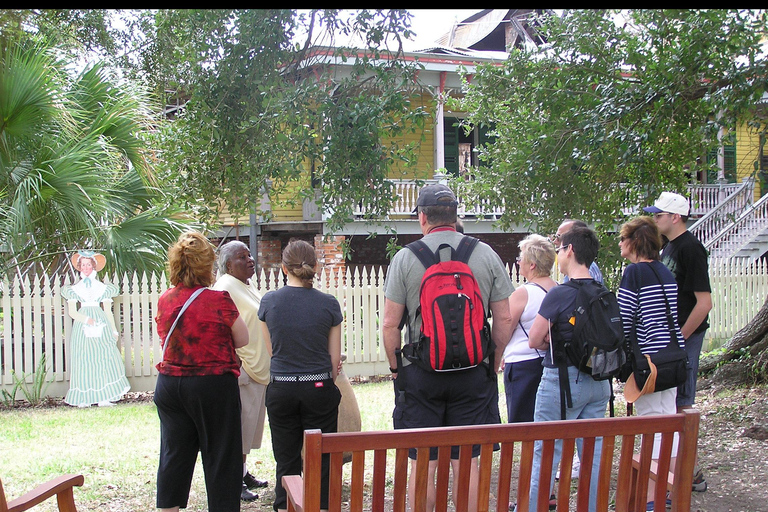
[[686, 392], [590, 398]]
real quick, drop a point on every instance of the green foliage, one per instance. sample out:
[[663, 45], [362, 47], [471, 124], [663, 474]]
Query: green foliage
[[32, 386], [264, 109], [75, 170], [614, 108]]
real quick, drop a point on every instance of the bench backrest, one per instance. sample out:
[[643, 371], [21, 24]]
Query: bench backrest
[[619, 435]]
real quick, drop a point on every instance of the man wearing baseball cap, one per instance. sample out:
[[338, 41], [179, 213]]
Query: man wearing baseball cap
[[426, 398], [687, 258]]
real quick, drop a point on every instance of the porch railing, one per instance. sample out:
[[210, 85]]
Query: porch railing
[[703, 198]]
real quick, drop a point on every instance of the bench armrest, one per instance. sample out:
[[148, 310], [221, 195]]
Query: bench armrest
[[60, 487], [294, 488]]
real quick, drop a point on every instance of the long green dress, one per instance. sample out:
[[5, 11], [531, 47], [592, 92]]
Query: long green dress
[[96, 371]]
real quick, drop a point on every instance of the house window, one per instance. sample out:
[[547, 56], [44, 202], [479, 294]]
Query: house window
[[729, 162], [459, 146]]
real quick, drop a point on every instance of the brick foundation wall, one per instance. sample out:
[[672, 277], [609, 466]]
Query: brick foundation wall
[[373, 251], [268, 253], [329, 253]]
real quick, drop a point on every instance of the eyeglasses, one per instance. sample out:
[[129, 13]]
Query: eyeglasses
[[562, 247], [660, 214], [555, 237]]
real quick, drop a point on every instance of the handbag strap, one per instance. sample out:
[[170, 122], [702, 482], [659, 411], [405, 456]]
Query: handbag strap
[[670, 318], [183, 308]]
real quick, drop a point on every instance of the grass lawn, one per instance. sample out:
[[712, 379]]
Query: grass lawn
[[116, 449]]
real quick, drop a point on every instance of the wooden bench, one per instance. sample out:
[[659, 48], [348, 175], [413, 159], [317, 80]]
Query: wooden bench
[[366, 488], [60, 487]]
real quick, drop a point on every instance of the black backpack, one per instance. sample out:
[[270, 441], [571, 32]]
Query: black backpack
[[597, 346]]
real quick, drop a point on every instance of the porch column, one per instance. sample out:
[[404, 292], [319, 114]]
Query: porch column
[[439, 136]]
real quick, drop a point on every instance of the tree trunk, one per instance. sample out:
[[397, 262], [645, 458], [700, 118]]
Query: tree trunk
[[753, 337]]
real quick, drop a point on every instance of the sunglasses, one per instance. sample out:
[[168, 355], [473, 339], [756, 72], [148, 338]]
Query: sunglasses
[[562, 247]]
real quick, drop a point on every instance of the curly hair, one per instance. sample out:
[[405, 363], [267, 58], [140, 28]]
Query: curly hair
[[540, 251], [300, 260], [190, 260]]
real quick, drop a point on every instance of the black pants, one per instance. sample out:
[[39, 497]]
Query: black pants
[[294, 407], [199, 414]]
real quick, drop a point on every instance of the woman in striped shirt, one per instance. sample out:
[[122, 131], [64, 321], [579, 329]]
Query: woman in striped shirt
[[642, 302]]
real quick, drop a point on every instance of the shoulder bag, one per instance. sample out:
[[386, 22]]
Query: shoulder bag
[[671, 361], [181, 312]]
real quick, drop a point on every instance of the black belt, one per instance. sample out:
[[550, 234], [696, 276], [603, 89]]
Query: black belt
[[309, 377]]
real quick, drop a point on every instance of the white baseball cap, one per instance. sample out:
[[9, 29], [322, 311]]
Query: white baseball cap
[[670, 202]]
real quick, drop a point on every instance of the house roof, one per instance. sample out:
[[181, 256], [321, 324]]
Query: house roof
[[494, 29]]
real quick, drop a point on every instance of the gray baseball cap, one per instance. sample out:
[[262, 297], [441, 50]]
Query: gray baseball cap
[[436, 195]]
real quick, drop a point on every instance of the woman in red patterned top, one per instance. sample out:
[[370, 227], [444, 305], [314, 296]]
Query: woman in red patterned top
[[197, 397]]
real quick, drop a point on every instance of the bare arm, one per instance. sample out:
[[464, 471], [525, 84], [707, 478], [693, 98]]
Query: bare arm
[[517, 302], [334, 348], [698, 313], [265, 336], [501, 329], [240, 332], [393, 314], [538, 336]]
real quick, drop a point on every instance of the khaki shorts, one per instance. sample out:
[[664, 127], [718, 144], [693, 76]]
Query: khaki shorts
[[253, 411]]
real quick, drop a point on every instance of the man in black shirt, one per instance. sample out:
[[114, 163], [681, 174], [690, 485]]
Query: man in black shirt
[[687, 258]]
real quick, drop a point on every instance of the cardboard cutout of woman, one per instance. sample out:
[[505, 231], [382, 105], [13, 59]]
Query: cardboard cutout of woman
[[96, 371]]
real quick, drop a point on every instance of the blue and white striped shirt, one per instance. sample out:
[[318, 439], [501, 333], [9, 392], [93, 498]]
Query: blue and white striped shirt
[[641, 293]]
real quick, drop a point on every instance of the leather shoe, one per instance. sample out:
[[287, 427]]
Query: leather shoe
[[252, 482], [246, 495]]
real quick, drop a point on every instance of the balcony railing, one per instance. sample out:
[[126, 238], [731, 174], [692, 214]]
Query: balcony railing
[[407, 192], [704, 198]]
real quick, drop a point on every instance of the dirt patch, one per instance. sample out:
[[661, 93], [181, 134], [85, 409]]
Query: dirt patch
[[734, 459]]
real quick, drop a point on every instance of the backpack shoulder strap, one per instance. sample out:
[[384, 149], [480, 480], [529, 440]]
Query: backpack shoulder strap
[[465, 248], [423, 253]]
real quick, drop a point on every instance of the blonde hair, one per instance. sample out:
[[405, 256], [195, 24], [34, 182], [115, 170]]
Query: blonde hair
[[538, 250], [190, 260], [300, 260]]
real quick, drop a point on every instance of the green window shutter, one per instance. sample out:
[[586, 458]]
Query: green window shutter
[[451, 145]]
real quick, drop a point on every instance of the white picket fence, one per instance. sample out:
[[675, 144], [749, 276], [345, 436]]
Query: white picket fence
[[34, 320]]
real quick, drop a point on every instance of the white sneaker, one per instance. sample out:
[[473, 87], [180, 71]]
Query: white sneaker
[[575, 468]]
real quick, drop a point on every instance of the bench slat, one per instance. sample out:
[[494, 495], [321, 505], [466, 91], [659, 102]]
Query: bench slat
[[379, 480], [443, 477]]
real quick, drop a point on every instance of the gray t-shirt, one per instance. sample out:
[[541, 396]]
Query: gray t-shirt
[[405, 272]]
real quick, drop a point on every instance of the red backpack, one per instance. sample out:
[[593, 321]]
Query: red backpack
[[455, 334]]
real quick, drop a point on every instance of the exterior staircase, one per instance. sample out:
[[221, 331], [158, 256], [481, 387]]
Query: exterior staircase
[[737, 228]]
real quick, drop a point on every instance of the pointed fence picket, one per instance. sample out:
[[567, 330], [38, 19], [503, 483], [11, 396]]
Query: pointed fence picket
[[34, 319]]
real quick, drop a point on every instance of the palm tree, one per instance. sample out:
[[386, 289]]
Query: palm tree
[[74, 167]]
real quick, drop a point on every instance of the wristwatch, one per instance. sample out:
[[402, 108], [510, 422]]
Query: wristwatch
[[393, 370]]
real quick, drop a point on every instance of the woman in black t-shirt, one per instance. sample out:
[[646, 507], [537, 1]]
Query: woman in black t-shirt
[[302, 330]]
